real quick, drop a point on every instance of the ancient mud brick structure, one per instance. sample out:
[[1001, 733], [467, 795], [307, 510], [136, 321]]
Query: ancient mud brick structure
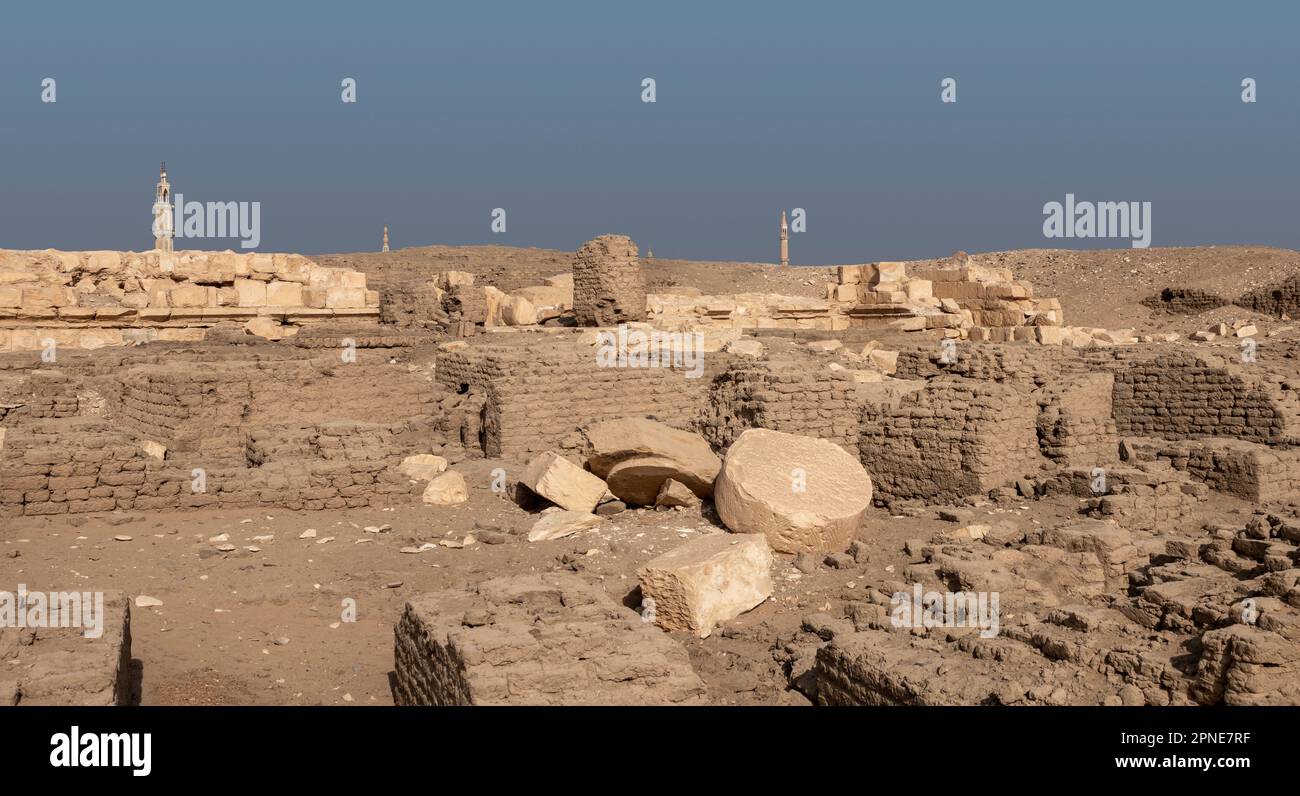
[[535, 640], [536, 393], [108, 298], [213, 426], [1024, 365], [781, 396], [1276, 300], [1252, 472], [1184, 395], [1184, 301], [951, 438], [608, 282], [59, 665], [1076, 426]]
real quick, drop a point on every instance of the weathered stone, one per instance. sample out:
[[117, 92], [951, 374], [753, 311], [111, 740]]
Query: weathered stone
[[708, 580], [559, 524], [535, 640], [563, 483], [447, 489], [422, 466], [804, 494], [608, 282], [675, 493], [636, 456]]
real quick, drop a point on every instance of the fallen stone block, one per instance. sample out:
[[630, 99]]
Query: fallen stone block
[[562, 482], [707, 581], [422, 466], [447, 489], [561, 523], [636, 455], [674, 493], [804, 494]]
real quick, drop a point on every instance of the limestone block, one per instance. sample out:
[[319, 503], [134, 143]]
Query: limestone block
[[422, 466], [563, 483], [636, 456], [345, 297], [191, 295], [919, 289], [447, 489], [707, 581], [250, 292], [283, 294], [268, 328], [561, 523], [802, 493]]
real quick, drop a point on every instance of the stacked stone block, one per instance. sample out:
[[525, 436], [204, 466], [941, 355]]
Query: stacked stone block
[[106, 298]]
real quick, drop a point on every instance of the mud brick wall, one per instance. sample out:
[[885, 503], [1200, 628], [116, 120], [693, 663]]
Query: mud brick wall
[[75, 467], [952, 438], [541, 640], [465, 303], [63, 467], [535, 396], [1249, 471], [1277, 300], [195, 410], [1075, 426], [1165, 507], [1037, 365], [1184, 301], [797, 398], [1181, 396], [608, 282], [48, 394], [60, 665]]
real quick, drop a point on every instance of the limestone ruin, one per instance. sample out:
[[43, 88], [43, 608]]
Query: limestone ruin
[[553, 478]]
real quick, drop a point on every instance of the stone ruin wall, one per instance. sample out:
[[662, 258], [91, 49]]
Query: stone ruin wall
[[534, 397], [953, 437], [107, 298], [90, 467], [1184, 396], [1276, 300], [789, 397], [265, 433], [1076, 426]]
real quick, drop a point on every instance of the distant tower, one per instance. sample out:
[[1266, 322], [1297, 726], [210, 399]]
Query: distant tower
[[385, 239], [785, 240], [162, 212]]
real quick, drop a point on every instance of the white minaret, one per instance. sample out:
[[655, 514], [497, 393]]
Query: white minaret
[[785, 240], [385, 239], [162, 212]]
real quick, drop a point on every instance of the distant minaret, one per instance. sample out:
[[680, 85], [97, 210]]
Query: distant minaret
[[385, 239], [785, 240], [162, 212]]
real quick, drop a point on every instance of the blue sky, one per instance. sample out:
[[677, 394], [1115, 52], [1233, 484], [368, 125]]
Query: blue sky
[[536, 108]]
